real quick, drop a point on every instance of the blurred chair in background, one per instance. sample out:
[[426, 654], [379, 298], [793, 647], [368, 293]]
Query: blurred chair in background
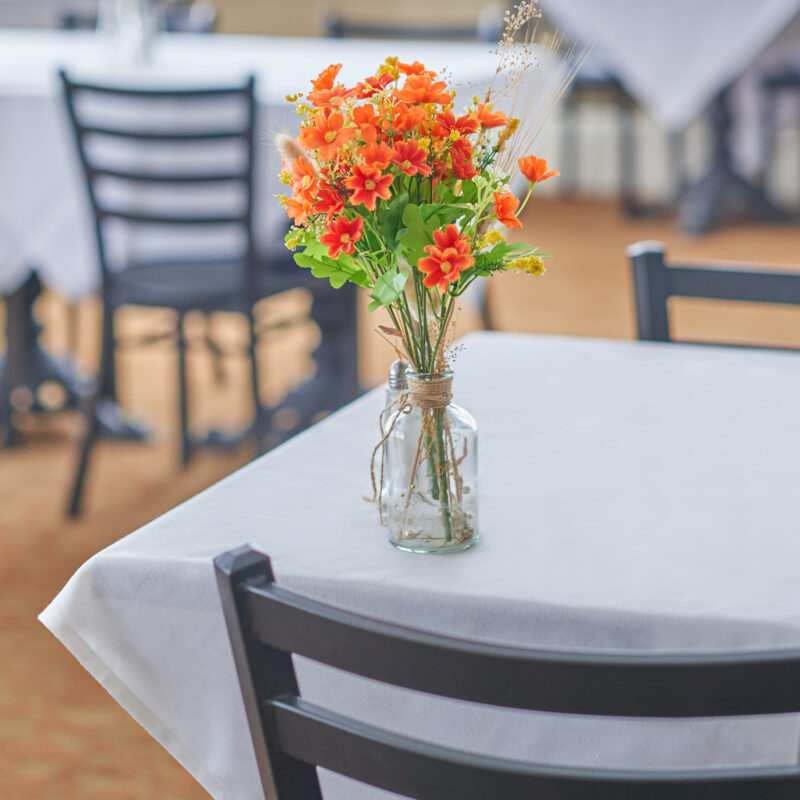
[[132, 196], [655, 282]]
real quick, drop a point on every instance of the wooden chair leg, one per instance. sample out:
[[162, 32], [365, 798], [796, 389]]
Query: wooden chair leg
[[183, 392]]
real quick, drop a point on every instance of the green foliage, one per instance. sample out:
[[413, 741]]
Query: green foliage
[[388, 288], [338, 271]]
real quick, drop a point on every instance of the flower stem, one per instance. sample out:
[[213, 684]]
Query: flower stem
[[444, 486]]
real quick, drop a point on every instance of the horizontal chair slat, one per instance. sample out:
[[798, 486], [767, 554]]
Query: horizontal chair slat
[[167, 177], [165, 136], [156, 93], [545, 680], [430, 772], [172, 219], [733, 284]]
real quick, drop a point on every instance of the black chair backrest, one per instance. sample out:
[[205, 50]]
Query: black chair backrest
[[487, 29], [655, 281], [267, 625], [226, 179]]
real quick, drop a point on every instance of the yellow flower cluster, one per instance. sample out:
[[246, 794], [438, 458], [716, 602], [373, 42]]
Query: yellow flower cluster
[[491, 238], [533, 265], [285, 176], [293, 98], [389, 67]]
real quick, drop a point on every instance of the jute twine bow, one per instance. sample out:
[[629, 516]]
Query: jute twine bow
[[423, 392]]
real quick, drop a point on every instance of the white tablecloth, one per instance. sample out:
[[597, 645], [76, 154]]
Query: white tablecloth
[[633, 496], [44, 217]]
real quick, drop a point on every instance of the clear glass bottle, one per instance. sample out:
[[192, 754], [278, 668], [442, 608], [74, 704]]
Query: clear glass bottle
[[430, 470]]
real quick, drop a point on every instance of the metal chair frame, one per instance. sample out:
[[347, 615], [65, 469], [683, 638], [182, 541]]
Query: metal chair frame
[[267, 624], [655, 281], [244, 290]]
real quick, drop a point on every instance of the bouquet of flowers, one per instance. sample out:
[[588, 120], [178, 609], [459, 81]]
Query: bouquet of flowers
[[396, 191], [392, 191]]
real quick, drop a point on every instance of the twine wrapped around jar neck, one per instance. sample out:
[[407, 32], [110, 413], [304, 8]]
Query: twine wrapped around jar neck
[[434, 390]]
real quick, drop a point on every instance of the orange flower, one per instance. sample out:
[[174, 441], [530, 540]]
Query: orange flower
[[365, 116], [423, 89], [413, 69], [376, 155], [329, 200], [341, 235], [461, 159], [535, 169], [298, 209], [326, 77], [367, 184], [303, 177], [447, 122], [327, 134], [446, 259], [505, 204], [330, 97], [490, 119], [409, 118], [411, 158]]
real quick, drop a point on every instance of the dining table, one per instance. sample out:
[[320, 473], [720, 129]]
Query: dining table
[[685, 60], [634, 496]]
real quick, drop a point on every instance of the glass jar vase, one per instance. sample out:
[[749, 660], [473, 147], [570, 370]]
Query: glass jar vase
[[430, 469]]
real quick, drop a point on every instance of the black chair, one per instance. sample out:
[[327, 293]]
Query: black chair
[[655, 281], [229, 280], [291, 737]]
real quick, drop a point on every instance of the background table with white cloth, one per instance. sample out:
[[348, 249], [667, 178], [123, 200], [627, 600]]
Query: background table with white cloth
[[633, 496]]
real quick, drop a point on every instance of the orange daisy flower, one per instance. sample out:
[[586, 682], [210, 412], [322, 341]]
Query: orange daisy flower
[[413, 69], [490, 119], [367, 184], [411, 158], [303, 177], [376, 155], [326, 78], [366, 118], [327, 133], [330, 97], [297, 209], [329, 201], [505, 204], [423, 89], [535, 169], [461, 159], [446, 259], [341, 235], [447, 122]]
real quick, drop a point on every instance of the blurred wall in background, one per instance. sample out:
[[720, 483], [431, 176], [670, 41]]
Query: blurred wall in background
[[306, 17]]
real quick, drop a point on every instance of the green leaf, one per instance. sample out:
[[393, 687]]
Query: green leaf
[[338, 271], [414, 237], [388, 288], [390, 217]]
